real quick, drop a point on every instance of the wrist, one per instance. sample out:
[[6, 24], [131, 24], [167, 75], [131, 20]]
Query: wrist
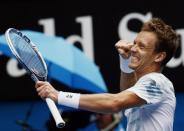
[[124, 65], [69, 99], [55, 97]]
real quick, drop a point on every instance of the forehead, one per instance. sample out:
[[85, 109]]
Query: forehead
[[146, 37]]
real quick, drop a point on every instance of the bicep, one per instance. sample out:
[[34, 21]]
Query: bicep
[[130, 99]]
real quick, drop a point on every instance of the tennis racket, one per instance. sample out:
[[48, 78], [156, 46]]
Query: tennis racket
[[31, 60]]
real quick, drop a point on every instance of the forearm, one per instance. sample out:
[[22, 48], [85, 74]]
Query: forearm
[[127, 80], [127, 77], [110, 103], [101, 103]]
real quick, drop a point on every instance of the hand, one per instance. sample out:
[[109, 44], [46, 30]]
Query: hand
[[124, 48], [46, 90]]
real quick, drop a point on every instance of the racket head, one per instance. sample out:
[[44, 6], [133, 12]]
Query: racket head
[[27, 54]]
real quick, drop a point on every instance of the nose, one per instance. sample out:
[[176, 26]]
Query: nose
[[134, 48]]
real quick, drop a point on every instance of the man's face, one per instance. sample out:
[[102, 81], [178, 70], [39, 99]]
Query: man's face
[[142, 52]]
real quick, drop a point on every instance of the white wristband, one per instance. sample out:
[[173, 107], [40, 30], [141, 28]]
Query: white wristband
[[124, 65], [69, 99]]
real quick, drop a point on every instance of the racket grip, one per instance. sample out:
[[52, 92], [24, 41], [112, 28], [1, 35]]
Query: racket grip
[[55, 113]]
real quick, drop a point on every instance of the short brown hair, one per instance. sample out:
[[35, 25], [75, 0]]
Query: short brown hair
[[167, 37]]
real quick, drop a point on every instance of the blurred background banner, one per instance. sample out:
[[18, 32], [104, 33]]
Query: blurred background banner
[[65, 62], [93, 27]]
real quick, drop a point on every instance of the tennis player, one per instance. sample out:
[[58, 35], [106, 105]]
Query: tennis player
[[146, 94]]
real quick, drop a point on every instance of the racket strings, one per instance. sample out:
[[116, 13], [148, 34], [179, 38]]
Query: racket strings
[[29, 56]]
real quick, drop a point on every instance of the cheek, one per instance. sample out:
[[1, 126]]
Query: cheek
[[148, 57]]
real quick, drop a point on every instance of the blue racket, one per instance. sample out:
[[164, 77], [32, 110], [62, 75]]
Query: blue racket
[[32, 61]]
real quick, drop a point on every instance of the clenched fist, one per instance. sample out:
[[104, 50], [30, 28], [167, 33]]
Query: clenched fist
[[124, 48], [46, 90]]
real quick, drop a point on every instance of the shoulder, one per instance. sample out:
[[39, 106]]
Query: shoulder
[[153, 75], [157, 79]]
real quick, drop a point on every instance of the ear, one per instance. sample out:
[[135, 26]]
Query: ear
[[160, 57]]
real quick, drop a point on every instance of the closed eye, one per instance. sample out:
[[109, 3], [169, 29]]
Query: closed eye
[[141, 46]]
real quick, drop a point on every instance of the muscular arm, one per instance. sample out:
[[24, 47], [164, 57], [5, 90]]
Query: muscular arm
[[109, 103], [101, 103], [126, 79]]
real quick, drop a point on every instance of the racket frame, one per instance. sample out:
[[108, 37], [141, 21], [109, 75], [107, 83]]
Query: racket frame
[[53, 109]]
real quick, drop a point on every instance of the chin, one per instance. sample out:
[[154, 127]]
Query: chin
[[132, 66]]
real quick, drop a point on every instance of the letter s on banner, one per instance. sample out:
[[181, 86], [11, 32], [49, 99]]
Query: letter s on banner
[[124, 32], [175, 62]]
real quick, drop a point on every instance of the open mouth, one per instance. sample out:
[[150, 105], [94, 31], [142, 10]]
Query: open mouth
[[134, 59]]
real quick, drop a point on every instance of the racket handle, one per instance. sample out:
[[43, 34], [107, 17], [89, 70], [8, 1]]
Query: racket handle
[[55, 113]]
